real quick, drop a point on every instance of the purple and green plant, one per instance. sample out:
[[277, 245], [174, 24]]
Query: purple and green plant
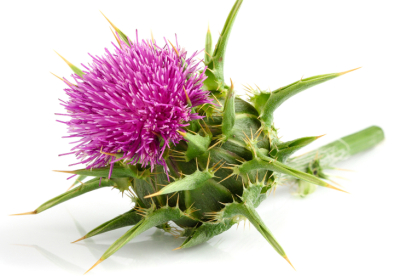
[[148, 120]]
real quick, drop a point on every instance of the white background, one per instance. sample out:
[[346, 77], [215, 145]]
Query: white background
[[273, 43]]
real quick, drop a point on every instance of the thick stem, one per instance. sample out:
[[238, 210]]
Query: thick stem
[[340, 149]]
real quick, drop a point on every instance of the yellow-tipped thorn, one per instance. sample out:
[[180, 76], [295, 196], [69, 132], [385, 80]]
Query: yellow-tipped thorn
[[176, 51], [216, 164], [286, 258], [112, 25], [181, 133], [70, 187], [84, 237], [338, 176], [217, 169], [69, 63], [57, 76], [335, 188], [152, 195], [342, 73], [177, 248], [217, 100], [99, 261], [116, 38], [65, 81], [64, 171], [208, 160], [334, 182], [107, 153], [187, 96], [219, 142], [340, 169], [208, 54], [27, 213]]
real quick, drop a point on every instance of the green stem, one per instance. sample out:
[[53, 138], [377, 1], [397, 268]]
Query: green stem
[[340, 149]]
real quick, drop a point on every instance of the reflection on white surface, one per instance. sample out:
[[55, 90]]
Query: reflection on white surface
[[153, 247], [54, 259], [44, 247], [329, 230]]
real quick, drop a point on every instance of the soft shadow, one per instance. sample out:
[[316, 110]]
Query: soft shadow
[[88, 242], [60, 262], [157, 248]]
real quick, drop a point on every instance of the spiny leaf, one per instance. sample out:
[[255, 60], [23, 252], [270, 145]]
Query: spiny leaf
[[220, 47], [189, 182], [253, 194], [205, 232], [265, 162], [208, 48], [248, 211], [77, 181], [215, 70], [286, 149], [228, 119], [153, 219], [73, 67], [120, 33], [118, 171], [129, 218], [88, 186], [142, 188], [269, 104], [197, 144]]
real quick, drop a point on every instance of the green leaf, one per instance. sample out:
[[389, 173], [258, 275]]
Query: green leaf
[[223, 175], [123, 183], [252, 194], [78, 181], [215, 70], [266, 105], [120, 33], [286, 149], [189, 182], [197, 144], [75, 69], [207, 198], [208, 48], [246, 209], [143, 188], [265, 162], [220, 48], [129, 218], [206, 231], [228, 117], [86, 187], [152, 219]]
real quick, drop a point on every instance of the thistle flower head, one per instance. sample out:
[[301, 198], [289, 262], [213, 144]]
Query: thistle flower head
[[133, 102]]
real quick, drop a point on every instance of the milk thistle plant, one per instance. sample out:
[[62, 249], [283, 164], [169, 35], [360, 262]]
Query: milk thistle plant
[[148, 120]]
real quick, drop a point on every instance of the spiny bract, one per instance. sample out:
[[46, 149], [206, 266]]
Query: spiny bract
[[180, 142]]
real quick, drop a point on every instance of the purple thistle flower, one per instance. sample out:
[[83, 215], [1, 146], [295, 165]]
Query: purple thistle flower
[[132, 102]]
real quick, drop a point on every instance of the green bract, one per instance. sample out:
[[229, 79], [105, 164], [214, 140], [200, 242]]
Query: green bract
[[225, 167]]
